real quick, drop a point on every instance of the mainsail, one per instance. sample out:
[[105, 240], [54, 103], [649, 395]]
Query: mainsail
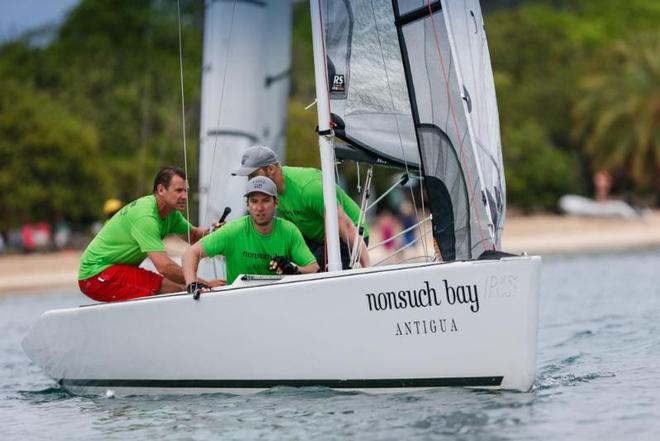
[[411, 84]]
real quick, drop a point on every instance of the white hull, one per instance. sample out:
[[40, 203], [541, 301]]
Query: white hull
[[320, 329]]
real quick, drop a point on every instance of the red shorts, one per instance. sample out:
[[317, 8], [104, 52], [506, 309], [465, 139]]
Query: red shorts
[[121, 282]]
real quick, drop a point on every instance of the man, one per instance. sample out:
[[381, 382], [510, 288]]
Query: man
[[258, 243], [109, 269], [300, 192]]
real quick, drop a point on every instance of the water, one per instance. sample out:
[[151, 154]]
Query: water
[[598, 379]]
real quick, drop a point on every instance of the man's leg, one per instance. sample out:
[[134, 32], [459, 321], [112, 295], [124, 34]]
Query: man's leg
[[346, 253], [121, 282]]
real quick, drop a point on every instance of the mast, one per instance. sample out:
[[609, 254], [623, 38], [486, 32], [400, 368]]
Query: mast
[[325, 139]]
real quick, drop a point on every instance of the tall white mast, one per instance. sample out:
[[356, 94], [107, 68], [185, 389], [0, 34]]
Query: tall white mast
[[325, 139]]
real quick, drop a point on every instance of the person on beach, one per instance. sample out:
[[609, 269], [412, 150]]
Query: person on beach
[[109, 269], [258, 243], [300, 192]]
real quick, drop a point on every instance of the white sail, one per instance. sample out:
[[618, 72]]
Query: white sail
[[245, 87], [412, 86], [368, 92], [466, 25], [435, 59]]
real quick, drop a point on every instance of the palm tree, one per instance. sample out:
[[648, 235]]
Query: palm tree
[[617, 117]]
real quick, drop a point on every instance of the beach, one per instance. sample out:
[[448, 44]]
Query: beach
[[538, 234]]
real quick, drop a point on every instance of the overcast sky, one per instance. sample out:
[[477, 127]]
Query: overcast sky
[[18, 16]]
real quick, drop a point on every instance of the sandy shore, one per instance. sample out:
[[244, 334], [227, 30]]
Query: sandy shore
[[542, 234]]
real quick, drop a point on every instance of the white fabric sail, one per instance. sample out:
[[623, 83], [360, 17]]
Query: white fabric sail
[[245, 87], [412, 80], [369, 97], [466, 24]]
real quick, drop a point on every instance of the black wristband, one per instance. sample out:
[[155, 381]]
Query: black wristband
[[194, 287]]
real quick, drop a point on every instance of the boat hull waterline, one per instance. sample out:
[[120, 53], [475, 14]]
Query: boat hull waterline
[[377, 329]]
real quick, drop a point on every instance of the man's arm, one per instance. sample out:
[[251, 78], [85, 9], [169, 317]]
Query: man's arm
[[190, 262], [197, 233], [307, 269], [170, 270], [166, 266], [348, 233]]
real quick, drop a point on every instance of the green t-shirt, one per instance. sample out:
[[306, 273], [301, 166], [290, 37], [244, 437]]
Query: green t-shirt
[[247, 251], [129, 235], [302, 202]]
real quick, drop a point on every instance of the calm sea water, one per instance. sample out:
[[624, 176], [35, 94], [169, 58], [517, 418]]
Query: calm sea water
[[598, 379]]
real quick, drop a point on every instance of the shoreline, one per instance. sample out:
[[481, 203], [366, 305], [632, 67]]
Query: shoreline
[[538, 234]]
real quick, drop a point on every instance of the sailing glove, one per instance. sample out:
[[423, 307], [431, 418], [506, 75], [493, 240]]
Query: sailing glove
[[282, 265], [195, 288]]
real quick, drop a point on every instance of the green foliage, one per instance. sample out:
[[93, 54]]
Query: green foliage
[[51, 165], [114, 68], [542, 52], [536, 171], [302, 139], [618, 115]]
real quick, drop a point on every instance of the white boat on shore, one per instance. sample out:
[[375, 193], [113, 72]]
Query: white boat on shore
[[409, 86]]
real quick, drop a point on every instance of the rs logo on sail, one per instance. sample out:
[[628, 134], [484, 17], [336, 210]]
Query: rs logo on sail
[[424, 297]]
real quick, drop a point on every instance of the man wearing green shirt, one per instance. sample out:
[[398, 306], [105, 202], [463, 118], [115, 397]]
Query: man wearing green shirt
[[109, 268], [259, 243], [300, 192]]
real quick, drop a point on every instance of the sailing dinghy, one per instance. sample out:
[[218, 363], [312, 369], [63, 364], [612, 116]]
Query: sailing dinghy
[[402, 83]]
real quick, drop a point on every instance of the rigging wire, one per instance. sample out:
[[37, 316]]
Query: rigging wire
[[400, 233], [403, 248], [183, 110]]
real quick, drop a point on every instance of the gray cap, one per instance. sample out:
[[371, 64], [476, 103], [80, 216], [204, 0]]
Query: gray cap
[[254, 158], [261, 184]]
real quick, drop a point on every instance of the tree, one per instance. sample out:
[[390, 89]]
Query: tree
[[617, 117], [51, 165]]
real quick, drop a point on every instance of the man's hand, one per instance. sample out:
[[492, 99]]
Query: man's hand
[[196, 288], [221, 221], [282, 265], [217, 282], [215, 226]]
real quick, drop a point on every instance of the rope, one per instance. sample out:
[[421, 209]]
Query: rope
[[183, 109]]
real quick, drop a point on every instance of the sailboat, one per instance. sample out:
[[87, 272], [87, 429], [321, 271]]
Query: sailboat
[[405, 84]]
